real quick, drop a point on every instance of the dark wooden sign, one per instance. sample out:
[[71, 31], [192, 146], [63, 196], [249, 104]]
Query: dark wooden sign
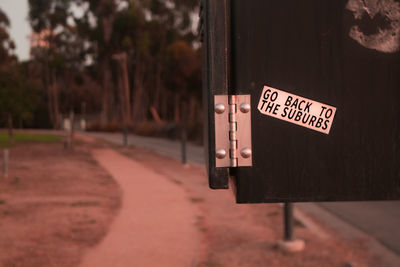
[[335, 63]]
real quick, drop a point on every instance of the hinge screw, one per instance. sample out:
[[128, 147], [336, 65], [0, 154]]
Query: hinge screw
[[245, 153], [220, 153], [244, 107], [219, 108]]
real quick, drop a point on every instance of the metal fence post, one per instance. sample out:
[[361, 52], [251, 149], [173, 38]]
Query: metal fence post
[[288, 221], [289, 243]]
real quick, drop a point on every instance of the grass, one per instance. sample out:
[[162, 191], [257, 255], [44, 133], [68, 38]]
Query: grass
[[28, 137]]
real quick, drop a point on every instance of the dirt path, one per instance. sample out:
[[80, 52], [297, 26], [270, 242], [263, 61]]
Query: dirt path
[[61, 208], [246, 235], [156, 223]]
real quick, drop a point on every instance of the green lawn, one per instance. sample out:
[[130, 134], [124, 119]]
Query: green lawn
[[27, 137]]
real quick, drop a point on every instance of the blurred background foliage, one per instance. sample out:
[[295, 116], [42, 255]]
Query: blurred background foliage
[[116, 63]]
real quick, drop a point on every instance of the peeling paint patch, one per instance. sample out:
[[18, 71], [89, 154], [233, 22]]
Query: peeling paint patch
[[386, 37]]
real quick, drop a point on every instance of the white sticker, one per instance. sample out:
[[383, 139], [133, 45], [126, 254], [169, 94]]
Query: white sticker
[[296, 109]]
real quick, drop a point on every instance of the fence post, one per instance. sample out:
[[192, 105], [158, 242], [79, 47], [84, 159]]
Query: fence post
[[288, 221], [288, 243]]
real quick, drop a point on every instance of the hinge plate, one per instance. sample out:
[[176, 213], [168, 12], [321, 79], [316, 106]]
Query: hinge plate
[[232, 130]]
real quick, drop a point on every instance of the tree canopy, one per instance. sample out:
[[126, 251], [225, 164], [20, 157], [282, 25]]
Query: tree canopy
[[18, 97], [114, 57]]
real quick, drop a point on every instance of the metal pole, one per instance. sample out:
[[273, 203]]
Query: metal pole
[[183, 147], [288, 221], [5, 163]]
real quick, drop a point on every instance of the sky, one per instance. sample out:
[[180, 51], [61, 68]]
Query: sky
[[17, 12]]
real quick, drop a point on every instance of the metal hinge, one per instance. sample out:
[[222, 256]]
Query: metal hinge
[[232, 131]]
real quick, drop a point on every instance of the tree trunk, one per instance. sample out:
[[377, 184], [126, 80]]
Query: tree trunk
[[10, 129], [47, 85], [164, 105], [127, 97], [155, 115], [176, 109], [157, 94], [159, 69], [120, 86], [106, 91], [137, 114], [56, 111], [192, 110], [107, 21]]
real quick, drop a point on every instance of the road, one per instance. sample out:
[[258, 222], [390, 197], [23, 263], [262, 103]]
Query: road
[[378, 219]]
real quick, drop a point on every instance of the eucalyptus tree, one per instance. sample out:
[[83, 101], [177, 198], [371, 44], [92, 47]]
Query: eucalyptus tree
[[153, 34], [48, 20], [18, 97]]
